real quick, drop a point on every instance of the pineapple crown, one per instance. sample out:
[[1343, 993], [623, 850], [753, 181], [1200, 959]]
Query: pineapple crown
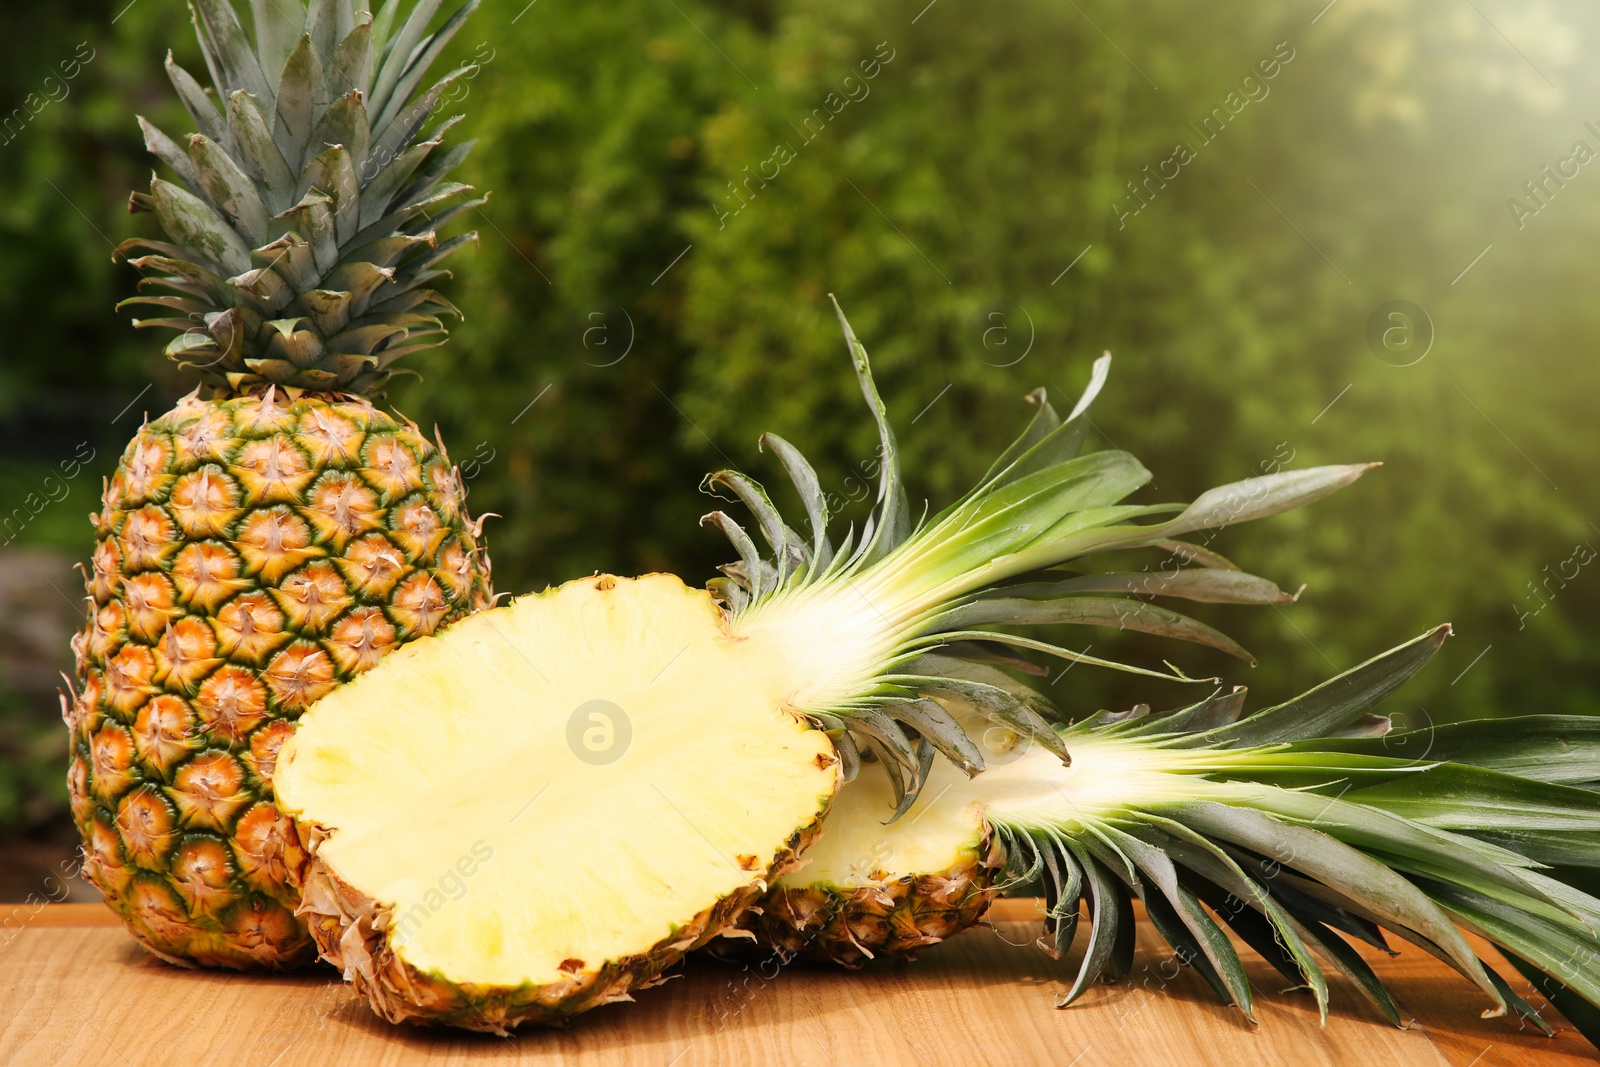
[[303, 225], [935, 599]]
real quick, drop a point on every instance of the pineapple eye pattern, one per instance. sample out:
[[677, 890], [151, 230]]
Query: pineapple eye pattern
[[221, 614]]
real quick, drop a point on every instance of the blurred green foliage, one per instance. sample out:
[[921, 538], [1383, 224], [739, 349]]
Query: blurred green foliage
[[655, 331], [32, 788]]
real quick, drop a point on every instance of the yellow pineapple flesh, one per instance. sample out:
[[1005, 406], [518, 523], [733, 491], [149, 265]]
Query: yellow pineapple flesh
[[870, 887], [514, 821]]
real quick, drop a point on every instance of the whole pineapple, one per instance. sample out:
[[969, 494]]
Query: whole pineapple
[[275, 534]]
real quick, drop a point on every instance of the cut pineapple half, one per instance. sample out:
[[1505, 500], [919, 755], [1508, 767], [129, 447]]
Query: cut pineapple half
[[873, 885], [870, 886], [545, 805], [1298, 828]]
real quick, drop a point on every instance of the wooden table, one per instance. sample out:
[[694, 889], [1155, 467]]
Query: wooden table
[[74, 989]]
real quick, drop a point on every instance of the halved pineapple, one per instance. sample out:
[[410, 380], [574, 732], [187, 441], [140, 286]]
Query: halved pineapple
[[872, 887], [1298, 828], [551, 803]]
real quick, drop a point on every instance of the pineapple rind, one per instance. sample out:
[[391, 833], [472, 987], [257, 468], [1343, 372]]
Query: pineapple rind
[[252, 554], [350, 929], [849, 925]]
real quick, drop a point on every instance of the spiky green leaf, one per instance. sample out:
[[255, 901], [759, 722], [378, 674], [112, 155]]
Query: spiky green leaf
[[228, 188], [228, 51], [405, 84], [258, 154], [399, 49], [1336, 702], [1547, 748], [195, 225]]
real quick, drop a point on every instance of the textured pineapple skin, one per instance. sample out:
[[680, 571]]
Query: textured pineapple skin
[[351, 932], [252, 553], [850, 925]]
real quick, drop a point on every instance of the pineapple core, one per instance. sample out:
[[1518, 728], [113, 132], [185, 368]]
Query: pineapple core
[[552, 785]]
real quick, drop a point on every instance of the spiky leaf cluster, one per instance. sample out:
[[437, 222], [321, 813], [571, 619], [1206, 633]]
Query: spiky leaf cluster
[[302, 224], [1329, 830], [993, 561]]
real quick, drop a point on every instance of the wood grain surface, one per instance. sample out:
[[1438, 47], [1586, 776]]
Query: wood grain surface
[[75, 989]]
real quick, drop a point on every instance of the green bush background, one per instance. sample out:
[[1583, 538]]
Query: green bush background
[[986, 155]]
